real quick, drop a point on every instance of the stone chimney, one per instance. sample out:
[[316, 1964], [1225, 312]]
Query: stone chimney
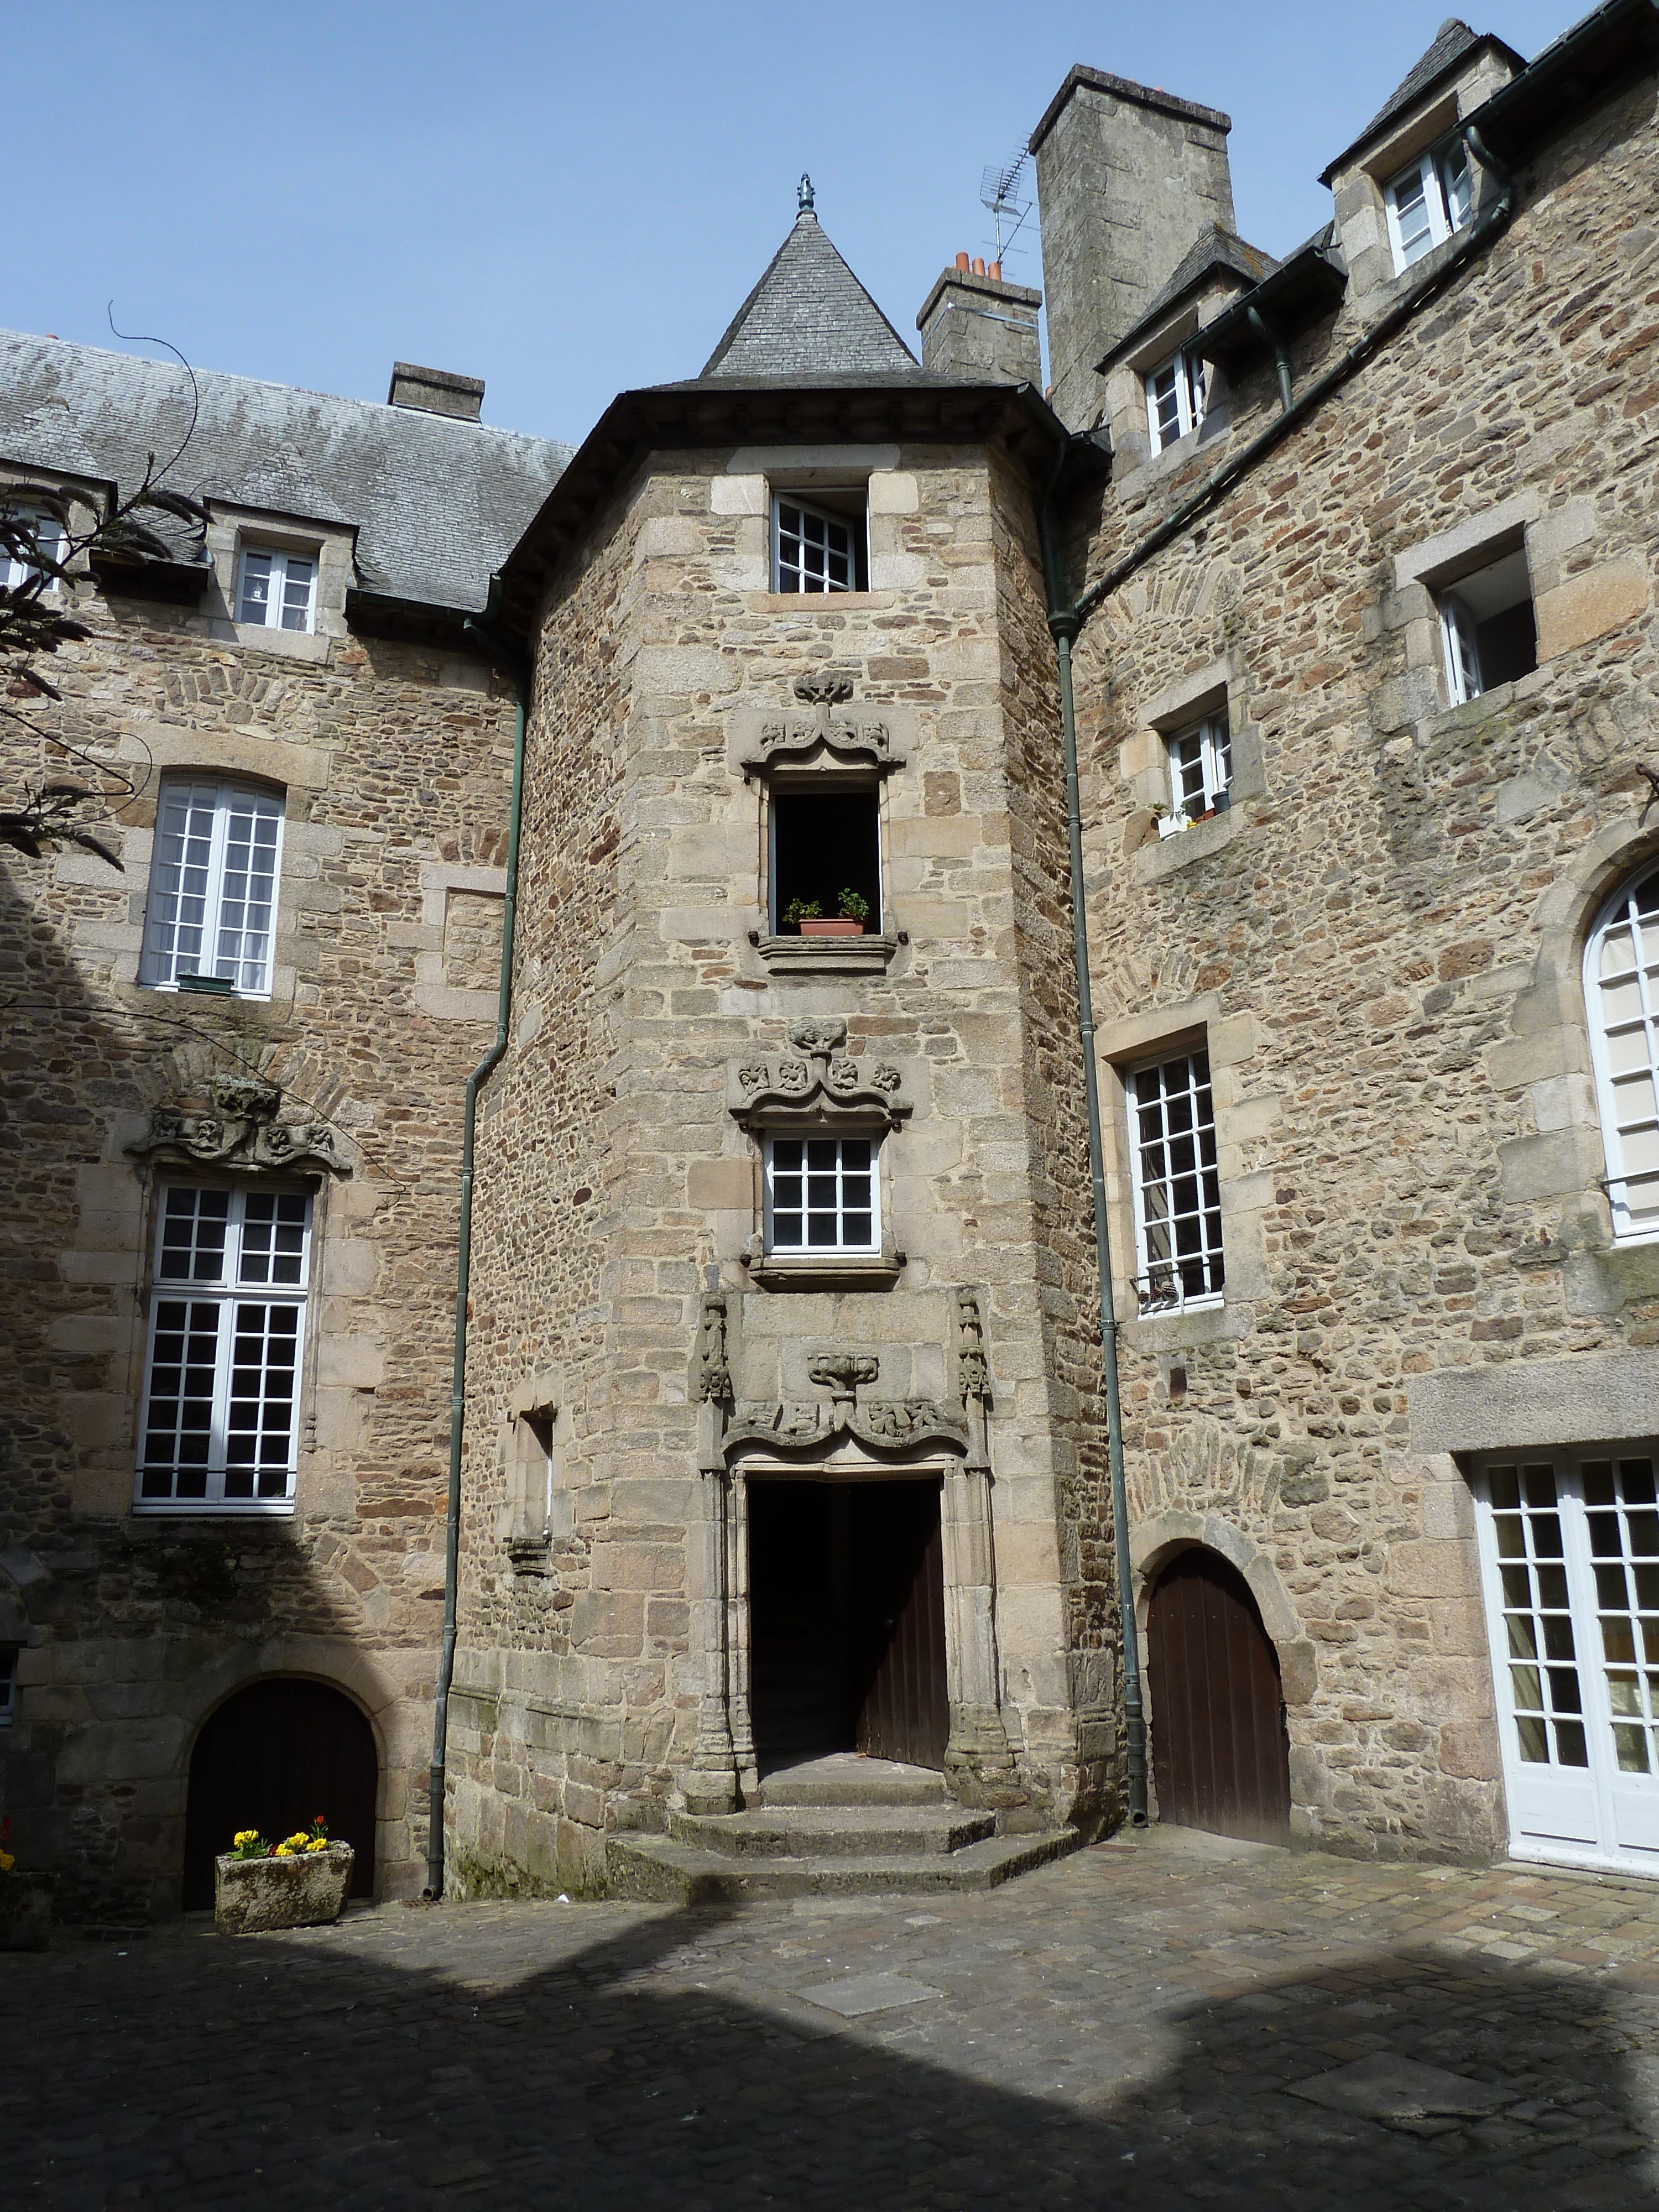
[[1127, 180], [976, 323], [435, 391]]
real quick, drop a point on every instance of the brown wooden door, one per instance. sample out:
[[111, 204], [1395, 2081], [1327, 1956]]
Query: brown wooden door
[[271, 1757], [1219, 1756], [898, 1568]]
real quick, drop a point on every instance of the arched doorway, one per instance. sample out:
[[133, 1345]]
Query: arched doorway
[[272, 1757], [1220, 1758]]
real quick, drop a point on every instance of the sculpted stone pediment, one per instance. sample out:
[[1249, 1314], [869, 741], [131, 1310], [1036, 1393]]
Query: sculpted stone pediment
[[240, 1130], [824, 729], [815, 1082], [884, 1427]]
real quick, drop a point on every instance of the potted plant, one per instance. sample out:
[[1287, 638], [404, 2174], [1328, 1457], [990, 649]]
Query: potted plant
[[809, 917], [299, 1883], [24, 1901]]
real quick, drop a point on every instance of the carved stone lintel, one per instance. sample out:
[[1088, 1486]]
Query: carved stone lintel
[[853, 737], [242, 1132]]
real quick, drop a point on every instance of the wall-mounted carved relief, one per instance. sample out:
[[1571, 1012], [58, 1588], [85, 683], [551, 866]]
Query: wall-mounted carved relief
[[865, 739], [714, 1374], [973, 1375], [242, 1132], [816, 1083]]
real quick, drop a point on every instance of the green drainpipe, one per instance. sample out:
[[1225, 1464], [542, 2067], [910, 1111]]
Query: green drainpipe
[[481, 1074], [1064, 623]]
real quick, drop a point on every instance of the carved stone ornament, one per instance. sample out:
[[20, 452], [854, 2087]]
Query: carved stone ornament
[[884, 1427], [828, 1085], [973, 1375], [242, 1132], [714, 1375], [866, 739]]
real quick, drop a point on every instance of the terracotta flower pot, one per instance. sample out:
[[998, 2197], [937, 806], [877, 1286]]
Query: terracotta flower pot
[[836, 925], [26, 1911], [252, 1895]]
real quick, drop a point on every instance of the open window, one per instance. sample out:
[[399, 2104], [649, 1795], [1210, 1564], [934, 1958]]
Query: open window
[[31, 546], [821, 539], [1174, 397], [1487, 627], [825, 859], [1429, 199], [1201, 772]]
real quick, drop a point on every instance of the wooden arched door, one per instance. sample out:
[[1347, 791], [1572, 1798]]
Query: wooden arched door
[[272, 1757], [1220, 1757]]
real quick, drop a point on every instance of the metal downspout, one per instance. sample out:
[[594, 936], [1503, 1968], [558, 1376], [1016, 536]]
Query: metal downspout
[[1064, 623], [1275, 345], [519, 674]]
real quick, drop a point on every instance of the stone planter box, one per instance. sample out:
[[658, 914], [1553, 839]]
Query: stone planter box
[[253, 1895], [26, 1911]]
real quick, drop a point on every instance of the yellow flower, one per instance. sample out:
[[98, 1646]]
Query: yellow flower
[[318, 1843], [7, 1861], [245, 1836]]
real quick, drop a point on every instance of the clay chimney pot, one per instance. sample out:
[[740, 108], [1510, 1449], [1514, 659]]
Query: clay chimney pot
[[979, 266], [962, 263], [994, 269]]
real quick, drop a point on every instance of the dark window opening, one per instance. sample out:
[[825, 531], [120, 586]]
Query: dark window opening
[[8, 1682], [1490, 635], [824, 846]]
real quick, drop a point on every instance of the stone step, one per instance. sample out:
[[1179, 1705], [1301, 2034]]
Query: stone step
[[660, 1869], [846, 1778], [819, 1832]]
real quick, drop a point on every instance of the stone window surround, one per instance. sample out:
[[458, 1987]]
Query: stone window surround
[[869, 954], [535, 1437], [819, 1271], [1135, 463], [434, 993], [1199, 1023], [744, 489], [333, 547], [1219, 687]]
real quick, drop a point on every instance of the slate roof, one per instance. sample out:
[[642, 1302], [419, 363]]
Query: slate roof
[[1453, 42], [809, 317], [1217, 249], [438, 503]]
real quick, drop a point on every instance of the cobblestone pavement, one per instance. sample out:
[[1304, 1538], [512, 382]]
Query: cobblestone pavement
[[1136, 2025]]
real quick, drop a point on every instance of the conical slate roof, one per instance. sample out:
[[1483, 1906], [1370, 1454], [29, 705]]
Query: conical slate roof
[[809, 317]]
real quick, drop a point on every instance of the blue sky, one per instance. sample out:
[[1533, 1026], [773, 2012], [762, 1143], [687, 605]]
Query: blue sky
[[567, 201]]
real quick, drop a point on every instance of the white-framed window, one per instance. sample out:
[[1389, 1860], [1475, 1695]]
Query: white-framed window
[[1174, 397], [278, 590], [1177, 1187], [819, 545], [1487, 627], [8, 1684], [1570, 1562], [1432, 198], [822, 1194], [1201, 772], [42, 530], [226, 1327], [1621, 995], [213, 877]]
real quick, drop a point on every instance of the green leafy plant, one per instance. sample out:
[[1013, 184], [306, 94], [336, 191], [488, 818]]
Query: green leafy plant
[[799, 910], [854, 907]]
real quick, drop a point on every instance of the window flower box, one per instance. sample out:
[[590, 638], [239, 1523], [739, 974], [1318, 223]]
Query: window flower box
[[836, 925], [252, 1896], [26, 1911]]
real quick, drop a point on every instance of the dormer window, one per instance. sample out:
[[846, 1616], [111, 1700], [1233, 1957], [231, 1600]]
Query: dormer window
[[277, 590], [820, 542], [1174, 398], [1428, 201], [28, 529]]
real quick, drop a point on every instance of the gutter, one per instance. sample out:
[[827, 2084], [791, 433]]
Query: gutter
[[508, 662]]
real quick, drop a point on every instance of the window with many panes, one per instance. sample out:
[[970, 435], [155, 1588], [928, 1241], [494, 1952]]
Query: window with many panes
[[210, 916], [1201, 772], [1432, 198], [1621, 992], [1174, 398], [822, 1194], [31, 531], [820, 542], [278, 590], [227, 1327], [1177, 1188]]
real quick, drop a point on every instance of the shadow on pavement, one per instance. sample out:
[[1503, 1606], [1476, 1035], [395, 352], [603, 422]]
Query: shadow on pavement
[[301, 2070]]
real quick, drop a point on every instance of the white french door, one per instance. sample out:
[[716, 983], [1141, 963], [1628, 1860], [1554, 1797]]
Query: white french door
[[1570, 1561]]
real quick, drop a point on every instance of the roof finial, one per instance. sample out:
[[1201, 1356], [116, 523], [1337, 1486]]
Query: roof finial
[[803, 196]]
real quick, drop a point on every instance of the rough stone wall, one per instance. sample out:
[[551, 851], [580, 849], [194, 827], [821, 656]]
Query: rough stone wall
[[566, 1733], [1380, 943], [394, 764]]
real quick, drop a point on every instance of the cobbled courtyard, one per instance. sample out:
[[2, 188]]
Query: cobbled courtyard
[[1175, 2018]]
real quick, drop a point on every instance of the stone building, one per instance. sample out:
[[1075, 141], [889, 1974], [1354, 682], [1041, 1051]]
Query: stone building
[[787, 1426]]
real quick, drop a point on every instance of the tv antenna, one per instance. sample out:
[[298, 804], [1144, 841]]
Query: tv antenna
[[1006, 190]]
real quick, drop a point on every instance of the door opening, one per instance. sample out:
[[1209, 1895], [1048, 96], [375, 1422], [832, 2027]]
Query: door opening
[[847, 1620], [272, 1757], [1220, 1756]]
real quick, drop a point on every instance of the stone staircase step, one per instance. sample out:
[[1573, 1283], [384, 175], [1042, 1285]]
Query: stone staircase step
[[661, 1869], [818, 1831], [844, 1778]]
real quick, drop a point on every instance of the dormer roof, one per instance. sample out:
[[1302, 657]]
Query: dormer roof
[[809, 317], [1218, 253], [1454, 43]]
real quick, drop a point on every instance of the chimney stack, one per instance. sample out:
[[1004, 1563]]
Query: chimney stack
[[435, 391], [975, 324]]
